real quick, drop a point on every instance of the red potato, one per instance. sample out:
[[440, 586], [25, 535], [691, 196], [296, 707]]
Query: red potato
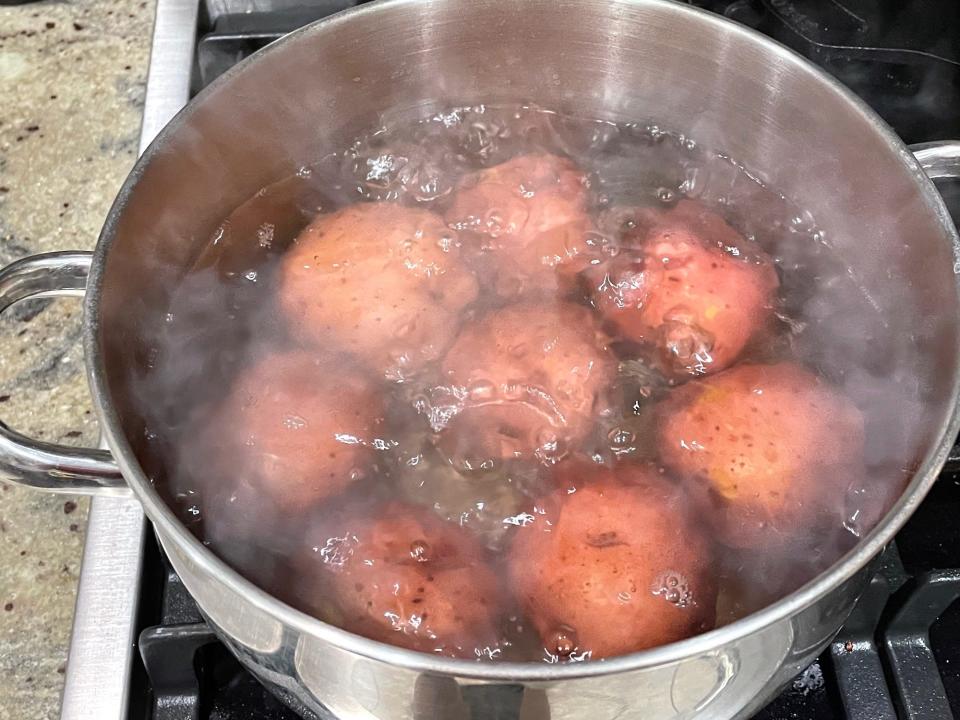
[[407, 578], [294, 431], [693, 288], [383, 281], [774, 446], [524, 223], [612, 563], [527, 381]]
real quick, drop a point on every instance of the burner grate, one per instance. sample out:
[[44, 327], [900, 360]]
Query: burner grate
[[913, 665], [902, 58]]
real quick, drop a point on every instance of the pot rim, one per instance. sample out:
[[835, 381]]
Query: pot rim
[[171, 529]]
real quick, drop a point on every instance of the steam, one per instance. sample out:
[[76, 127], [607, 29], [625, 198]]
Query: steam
[[222, 318]]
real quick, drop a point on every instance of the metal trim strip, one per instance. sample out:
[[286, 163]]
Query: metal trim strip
[[103, 638]]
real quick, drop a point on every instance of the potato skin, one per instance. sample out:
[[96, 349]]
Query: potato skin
[[612, 563], [524, 223], [774, 447], [529, 377], [407, 578], [382, 281], [689, 285], [293, 429]]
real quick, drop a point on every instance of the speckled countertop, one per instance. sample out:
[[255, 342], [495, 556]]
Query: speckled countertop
[[71, 82]]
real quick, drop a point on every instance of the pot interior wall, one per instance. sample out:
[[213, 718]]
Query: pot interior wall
[[616, 60]]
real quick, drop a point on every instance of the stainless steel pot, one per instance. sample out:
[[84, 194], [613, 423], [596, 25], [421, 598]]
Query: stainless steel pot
[[622, 59]]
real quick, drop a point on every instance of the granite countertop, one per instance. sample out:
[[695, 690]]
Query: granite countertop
[[72, 82]]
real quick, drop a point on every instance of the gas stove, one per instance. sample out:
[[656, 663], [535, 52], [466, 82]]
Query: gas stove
[[140, 649]]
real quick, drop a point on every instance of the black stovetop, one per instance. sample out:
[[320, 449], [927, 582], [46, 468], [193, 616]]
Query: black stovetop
[[898, 657]]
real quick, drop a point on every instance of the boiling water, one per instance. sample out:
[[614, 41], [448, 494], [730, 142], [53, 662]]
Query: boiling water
[[224, 315]]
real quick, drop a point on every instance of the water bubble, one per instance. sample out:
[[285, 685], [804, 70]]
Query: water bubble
[[795, 326], [653, 133], [495, 223], [480, 140], [488, 653], [394, 619], [383, 444], [294, 422], [802, 222], [601, 242], [550, 447], [561, 641], [620, 436], [420, 550], [666, 195], [449, 119], [520, 520], [673, 588], [251, 275], [357, 474], [379, 167], [336, 551], [690, 185], [265, 235], [304, 172], [621, 440], [547, 437]]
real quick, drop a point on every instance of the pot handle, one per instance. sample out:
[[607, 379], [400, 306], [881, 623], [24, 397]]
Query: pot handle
[[939, 159], [42, 465]]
